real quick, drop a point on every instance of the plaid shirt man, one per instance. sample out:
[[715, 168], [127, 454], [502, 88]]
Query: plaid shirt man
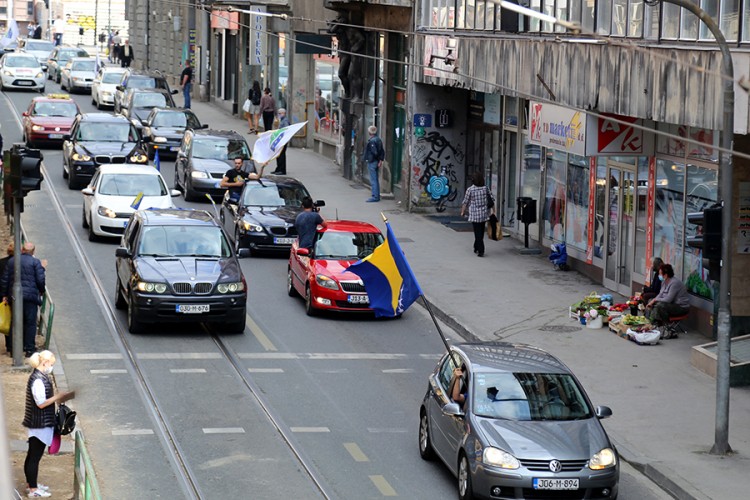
[[476, 201]]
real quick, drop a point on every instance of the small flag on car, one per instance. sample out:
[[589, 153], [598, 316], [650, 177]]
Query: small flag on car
[[137, 201], [157, 161]]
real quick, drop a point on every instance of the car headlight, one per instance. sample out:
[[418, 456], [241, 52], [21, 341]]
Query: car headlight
[[40, 74], [77, 78], [230, 287], [326, 282], [106, 212], [160, 139], [146, 286], [37, 128], [604, 459], [80, 157], [139, 158], [499, 458], [106, 93], [250, 227], [7, 73], [197, 174]]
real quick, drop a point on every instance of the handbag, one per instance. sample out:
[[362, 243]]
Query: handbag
[[65, 420], [490, 201], [494, 230], [5, 318], [246, 105]]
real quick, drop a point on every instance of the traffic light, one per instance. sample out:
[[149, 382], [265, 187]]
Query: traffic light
[[708, 240], [25, 170]]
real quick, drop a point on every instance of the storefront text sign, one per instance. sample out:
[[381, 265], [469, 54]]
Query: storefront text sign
[[257, 37], [743, 220], [650, 217], [558, 128], [615, 137]]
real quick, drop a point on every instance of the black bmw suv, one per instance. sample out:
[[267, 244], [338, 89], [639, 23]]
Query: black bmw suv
[[177, 265]]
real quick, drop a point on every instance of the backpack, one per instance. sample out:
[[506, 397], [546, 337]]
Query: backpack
[[65, 420], [255, 97]]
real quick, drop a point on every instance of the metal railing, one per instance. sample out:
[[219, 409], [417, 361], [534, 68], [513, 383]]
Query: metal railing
[[85, 486], [46, 316]]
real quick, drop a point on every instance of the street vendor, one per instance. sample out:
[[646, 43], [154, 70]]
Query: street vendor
[[653, 289], [673, 298]]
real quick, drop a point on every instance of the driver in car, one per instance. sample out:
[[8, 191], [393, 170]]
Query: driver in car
[[234, 179]]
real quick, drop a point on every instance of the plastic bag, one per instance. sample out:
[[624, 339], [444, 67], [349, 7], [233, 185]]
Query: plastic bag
[[5, 318], [649, 337], [246, 106]]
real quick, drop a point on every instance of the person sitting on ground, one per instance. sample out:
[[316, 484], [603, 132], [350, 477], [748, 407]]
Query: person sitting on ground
[[459, 387], [234, 179], [307, 223], [652, 290], [673, 299]]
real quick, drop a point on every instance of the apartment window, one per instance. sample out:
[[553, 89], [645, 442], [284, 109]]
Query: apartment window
[[689, 25], [726, 14], [604, 17], [438, 14], [30, 8]]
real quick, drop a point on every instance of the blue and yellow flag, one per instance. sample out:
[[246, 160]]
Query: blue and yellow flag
[[388, 279], [157, 161], [137, 202]]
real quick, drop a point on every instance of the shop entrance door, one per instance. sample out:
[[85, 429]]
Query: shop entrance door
[[620, 227]]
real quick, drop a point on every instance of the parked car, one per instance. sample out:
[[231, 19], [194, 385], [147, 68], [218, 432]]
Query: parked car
[[41, 49], [21, 71], [10, 46], [164, 128], [263, 219], [178, 266], [320, 276], [48, 119], [113, 195], [525, 427], [138, 104], [134, 79], [99, 139], [203, 159], [58, 59], [78, 74], [105, 85]]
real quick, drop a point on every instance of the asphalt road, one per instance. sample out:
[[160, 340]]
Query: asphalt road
[[344, 391]]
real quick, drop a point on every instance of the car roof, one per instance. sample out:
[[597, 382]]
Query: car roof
[[226, 134], [113, 69], [177, 217], [103, 117], [351, 226], [128, 168], [79, 59], [275, 180], [53, 98], [510, 357], [150, 74], [150, 91]]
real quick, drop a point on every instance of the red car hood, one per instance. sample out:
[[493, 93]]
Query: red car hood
[[53, 121], [334, 268]]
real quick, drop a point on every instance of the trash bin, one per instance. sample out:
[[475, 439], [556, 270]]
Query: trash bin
[[526, 210]]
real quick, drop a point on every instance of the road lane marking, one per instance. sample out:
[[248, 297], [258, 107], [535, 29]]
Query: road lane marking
[[223, 430], [265, 370], [310, 429], [107, 372], [93, 356], [340, 356], [333, 370], [356, 452], [387, 430], [259, 335], [132, 432], [187, 370], [382, 485], [179, 355], [398, 370]]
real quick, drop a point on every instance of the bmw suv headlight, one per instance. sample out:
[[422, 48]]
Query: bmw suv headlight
[[198, 174], [80, 157], [250, 227], [106, 212], [326, 282], [139, 158], [499, 458], [147, 286], [230, 287], [604, 459]]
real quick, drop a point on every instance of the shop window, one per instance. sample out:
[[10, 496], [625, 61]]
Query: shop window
[[641, 210], [669, 213], [554, 201], [531, 175], [702, 192], [511, 111], [601, 206], [327, 103], [577, 202]]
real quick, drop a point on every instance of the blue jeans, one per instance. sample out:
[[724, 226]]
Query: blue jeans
[[30, 310], [372, 167], [186, 93]]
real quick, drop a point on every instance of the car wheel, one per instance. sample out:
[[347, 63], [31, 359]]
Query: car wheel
[[237, 241], [93, 101], [42, 90], [120, 302], [189, 193], [290, 290], [134, 326], [62, 85], [84, 223], [309, 308], [72, 184], [177, 180], [57, 78], [465, 491], [92, 235], [425, 442]]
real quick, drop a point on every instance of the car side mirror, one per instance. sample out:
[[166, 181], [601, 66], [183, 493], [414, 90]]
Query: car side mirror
[[87, 191], [603, 412], [174, 91], [243, 252], [320, 203], [25, 113], [174, 193], [305, 252], [205, 125], [452, 409], [122, 252]]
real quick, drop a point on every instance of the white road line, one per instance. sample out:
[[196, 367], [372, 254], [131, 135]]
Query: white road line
[[93, 356], [179, 355], [259, 334], [356, 452], [107, 372], [341, 356], [387, 430], [267, 355], [383, 486], [132, 432], [398, 370], [333, 370], [223, 430], [187, 370], [265, 370], [310, 429]]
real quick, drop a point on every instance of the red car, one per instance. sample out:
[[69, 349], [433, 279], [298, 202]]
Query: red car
[[320, 275], [48, 119]]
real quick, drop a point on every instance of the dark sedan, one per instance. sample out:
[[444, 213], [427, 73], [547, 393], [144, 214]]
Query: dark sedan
[[164, 128], [99, 139], [138, 104], [263, 220]]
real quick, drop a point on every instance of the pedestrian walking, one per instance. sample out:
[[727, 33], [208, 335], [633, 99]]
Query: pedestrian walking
[[281, 159], [267, 109], [126, 55], [253, 115], [31, 27], [307, 223], [32, 286], [186, 79], [59, 31], [116, 47], [480, 203], [37, 32], [373, 156], [39, 418]]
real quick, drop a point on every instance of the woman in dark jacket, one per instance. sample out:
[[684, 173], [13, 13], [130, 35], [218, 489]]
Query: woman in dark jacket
[[652, 290], [268, 109]]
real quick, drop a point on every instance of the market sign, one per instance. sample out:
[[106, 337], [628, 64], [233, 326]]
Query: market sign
[[621, 136], [558, 128]]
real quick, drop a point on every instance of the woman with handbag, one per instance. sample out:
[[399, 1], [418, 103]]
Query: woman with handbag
[[480, 204], [39, 417], [252, 105]]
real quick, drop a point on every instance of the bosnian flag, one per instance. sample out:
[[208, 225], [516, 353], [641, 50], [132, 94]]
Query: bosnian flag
[[11, 35], [269, 144], [137, 201]]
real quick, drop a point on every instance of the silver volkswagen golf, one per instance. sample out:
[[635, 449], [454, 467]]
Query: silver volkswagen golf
[[515, 423]]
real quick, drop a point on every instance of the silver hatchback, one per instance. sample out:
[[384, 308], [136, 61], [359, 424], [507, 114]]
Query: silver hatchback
[[515, 423]]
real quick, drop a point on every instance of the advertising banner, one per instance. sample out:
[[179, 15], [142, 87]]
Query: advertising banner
[[558, 128]]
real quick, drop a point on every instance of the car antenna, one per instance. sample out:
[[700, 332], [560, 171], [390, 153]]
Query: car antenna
[[337, 213]]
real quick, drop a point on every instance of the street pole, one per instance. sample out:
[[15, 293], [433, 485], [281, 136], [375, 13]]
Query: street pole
[[723, 332], [17, 292]]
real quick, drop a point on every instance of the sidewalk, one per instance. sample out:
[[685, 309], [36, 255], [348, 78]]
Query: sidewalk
[[663, 420]]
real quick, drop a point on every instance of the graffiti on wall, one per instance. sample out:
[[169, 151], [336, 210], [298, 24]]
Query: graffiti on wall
[[434, 171]]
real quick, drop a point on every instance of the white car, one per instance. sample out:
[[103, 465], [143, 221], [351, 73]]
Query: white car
[[113, 195], [41, 49], [21, 71], [105, 85], [78, 74]]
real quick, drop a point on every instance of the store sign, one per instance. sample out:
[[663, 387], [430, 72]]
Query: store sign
[[558, 128], [222, 19], [492, 109], [620, 135], [257, 37]]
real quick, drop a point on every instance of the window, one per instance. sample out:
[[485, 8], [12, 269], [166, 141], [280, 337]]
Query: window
[[554, 201], [604, 17], [729, 22], [689, 25], [702, 192], [669, 212], [30, 8], [671, 23], [601, 207], [577, 202], [641, 208]]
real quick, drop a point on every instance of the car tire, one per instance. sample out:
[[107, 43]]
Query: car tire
[[72, 184], [290, 290], [57, 78], [237, 242], [64, 172], [309, 307], [43, 90], [465, 490], [190, 195], [134, 326], [93, 101], [120, 302], [426, 451], [92, 235], [84, 223]]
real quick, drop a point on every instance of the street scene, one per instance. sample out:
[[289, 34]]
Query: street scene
[[239, 278]]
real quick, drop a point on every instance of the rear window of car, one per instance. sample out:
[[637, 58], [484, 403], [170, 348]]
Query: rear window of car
[[220, 149], [184, 241], [83, 66]]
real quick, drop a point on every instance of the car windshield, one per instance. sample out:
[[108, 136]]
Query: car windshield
[[273, 195], [146, 82], [176, 119], [132, 185], [40, 46], [105, 132], [66, 109], [184, 241], [220, 149], [22, 62], [344, 245], [528, 396], [83, 66], [111, 77], [149, 100]]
